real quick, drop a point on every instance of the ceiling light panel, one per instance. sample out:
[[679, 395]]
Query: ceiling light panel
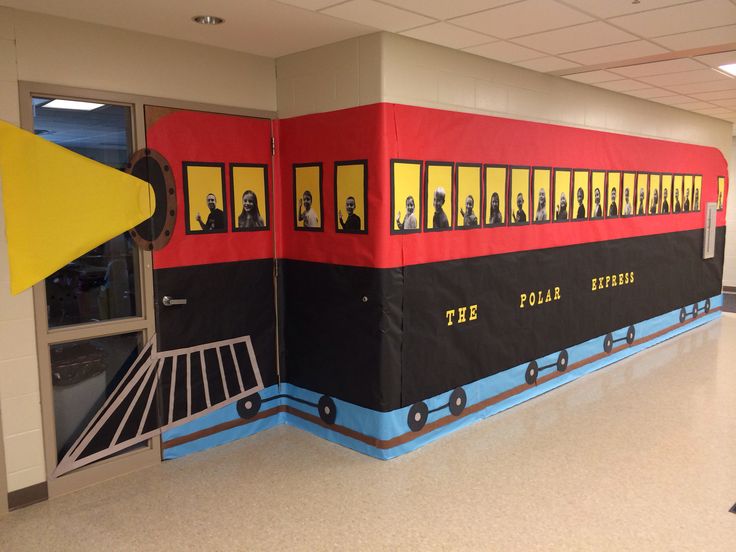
[[678, 19], [74, 105], [448, 35], [698, 39], [579, 37], [380, 16], [522, 18], [592, 77], [612, 8], [444, 9], [504, 51], [547, 64], [617, 52]]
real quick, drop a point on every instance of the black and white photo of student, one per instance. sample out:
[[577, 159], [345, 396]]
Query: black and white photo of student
[[655, 202], [470, 219], [439, 219], [519, 214], [597, 207], [665, 202], [686, 201], [495, 216], [307, 216], [561, 213], [641, 208], [410, 220], [215, 219], [541, 213], [580, 215], [613, 207], [250, 216], [352, 222]]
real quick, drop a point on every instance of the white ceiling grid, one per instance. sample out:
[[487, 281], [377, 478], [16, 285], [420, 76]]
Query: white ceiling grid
[[663, 50]]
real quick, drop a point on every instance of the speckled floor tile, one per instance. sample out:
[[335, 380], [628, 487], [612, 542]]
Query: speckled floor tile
[[638, 456]]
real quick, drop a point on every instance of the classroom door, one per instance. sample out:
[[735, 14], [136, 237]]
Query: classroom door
[[214, 279]]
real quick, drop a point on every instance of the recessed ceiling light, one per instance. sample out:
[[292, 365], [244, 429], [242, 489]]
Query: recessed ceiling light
[[72, 104], [730, 68], [208, 19]]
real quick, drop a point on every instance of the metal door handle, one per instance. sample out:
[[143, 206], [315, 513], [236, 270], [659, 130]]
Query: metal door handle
[[170, 302]]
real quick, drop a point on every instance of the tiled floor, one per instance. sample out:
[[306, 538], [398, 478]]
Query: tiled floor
[[638, 456]]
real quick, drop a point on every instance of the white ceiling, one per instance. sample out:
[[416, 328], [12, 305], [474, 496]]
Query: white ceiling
[[661, 50]]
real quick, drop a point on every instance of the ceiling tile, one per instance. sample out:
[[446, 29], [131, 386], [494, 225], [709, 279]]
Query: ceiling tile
[[694, 105], [717, 95], [721, 58], [726, 84], [714, 110], [624, 85], [377, 15], [731, 104], [442, 9], [611, 8], [522, 18], [658, 68], [310, 4], [607, 54], [678, 19], [504, 51], [448, 35], [673, 100], [649, 93], [686, 77], [579, 37], [698, 39], [549, 63], [592, 77]]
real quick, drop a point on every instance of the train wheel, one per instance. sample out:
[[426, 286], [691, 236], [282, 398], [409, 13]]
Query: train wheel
[[417, 417], [248, 407], [327, 409], [695, 310], [458, 400], [630, 335], [532, 371], [608, 343], [683, 315], [562, 361], [707, 306]]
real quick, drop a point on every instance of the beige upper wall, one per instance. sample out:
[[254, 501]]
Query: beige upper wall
[[393, 68], [62, 51]]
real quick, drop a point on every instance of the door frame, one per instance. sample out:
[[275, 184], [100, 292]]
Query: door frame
[[145, 323], [3, 474]]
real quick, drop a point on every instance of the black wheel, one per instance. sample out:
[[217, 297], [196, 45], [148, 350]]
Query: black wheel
[[327, 409], [706, 309], [532, 371], [417, 417], [562, 361], [695, 310], [683, 315], [630, 335], [248, 406], [458, 400], [608, 343]]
